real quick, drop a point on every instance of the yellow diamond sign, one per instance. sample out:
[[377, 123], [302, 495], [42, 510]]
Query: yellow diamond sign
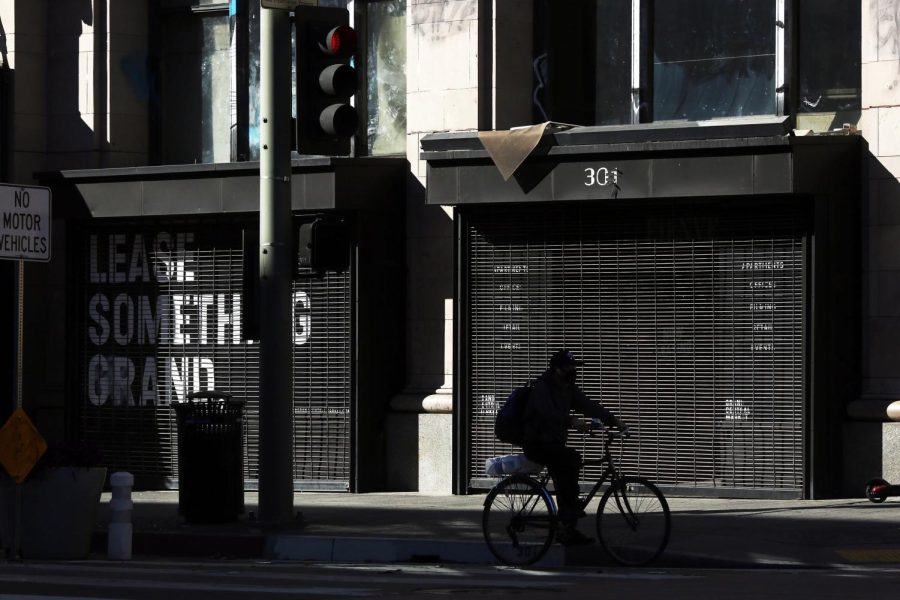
[[21, 446]]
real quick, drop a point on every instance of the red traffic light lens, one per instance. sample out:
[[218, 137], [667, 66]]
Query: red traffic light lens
[[340, 41]]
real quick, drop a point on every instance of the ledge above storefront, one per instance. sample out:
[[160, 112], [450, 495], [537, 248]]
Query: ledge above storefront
[[317, 183], [730, 157]]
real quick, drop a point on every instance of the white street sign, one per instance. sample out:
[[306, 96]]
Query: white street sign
[[24, 222]]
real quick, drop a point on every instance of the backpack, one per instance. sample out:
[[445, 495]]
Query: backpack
[[509, 426]]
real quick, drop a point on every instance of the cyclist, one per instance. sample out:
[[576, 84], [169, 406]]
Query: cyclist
[[547, 420]]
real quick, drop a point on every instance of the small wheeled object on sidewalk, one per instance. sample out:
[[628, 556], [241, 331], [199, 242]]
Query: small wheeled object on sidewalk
[[878, 490]]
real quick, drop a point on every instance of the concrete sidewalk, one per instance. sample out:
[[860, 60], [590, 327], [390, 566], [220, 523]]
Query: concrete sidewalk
[[403, 527]]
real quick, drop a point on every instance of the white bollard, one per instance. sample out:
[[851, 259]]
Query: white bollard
[[120, 505]]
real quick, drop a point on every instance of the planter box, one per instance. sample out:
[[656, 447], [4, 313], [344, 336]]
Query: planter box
[[59, 512]]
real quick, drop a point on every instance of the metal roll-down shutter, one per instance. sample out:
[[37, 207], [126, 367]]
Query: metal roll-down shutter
[[162, 312], [690, 319]]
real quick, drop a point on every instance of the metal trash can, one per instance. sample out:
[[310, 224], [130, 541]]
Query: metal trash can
[[210, 457]]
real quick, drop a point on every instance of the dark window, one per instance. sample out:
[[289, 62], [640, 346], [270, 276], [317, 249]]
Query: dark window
[[607, 62], [613, 66], [829, 56], [713, 58], [564, 68]]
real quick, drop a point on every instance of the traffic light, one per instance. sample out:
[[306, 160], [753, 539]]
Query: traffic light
[[326, 80], [323, 245]]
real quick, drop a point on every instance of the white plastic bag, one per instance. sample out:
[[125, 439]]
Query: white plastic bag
[[511, 464]]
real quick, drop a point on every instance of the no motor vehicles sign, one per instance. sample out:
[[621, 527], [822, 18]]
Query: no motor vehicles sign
[[24, 222]]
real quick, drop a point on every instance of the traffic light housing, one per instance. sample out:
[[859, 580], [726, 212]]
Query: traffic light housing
[[323, 245], [326, 80]]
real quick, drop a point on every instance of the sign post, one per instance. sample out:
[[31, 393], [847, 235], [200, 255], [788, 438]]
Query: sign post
[[25, 221]]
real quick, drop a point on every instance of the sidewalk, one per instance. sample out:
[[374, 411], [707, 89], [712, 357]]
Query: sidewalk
[[404, 527]]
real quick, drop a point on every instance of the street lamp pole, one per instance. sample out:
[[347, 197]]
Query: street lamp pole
[[276, 482]]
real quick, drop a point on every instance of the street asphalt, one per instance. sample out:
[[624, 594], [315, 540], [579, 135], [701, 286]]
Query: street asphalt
[[410, 527]]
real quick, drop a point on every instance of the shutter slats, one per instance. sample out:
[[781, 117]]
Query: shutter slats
[[691, 328], [204, 262]]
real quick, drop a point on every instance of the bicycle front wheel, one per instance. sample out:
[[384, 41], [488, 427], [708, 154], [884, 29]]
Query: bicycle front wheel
[[519, 521], [633, 522]]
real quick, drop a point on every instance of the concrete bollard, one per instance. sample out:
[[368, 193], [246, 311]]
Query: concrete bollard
[[120, 505]]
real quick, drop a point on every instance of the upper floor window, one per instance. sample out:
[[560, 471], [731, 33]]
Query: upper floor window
[[209, 71], [829, 57], [608, 62], [215, 84], [386, 77], [714, 58], [384, 62], [381, 69]]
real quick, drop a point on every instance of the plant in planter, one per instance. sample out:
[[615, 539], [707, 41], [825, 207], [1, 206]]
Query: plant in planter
[[59, 503]]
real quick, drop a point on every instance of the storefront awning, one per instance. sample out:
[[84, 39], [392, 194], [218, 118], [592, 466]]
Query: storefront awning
[[734, 157], [319, 183]]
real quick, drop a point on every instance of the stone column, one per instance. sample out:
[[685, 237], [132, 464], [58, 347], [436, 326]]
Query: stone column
[[880, 125], [869, 438], [442, 95]]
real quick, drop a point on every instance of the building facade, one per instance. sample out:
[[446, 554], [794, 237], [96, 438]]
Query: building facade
[[710, 225]]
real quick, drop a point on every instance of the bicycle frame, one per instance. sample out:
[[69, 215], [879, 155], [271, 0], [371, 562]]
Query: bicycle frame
[[610, 474]]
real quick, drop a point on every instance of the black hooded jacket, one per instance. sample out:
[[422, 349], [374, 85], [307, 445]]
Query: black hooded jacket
[[549, 407]]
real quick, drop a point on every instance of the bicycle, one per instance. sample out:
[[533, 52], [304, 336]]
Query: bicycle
[[519, 520]]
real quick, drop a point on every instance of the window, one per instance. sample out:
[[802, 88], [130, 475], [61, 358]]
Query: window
[[194, 69], [384, 62], [613, 62], [215, 69], [386, 77], [714, 58], [382, 58], [829, 69]]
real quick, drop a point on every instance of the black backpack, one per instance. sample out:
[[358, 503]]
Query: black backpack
[[509, 426]]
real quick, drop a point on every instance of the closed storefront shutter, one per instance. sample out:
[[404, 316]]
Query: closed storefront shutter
[[162, 307], [690, 319]]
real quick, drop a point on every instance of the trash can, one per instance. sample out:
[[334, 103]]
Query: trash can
[[210, 457]]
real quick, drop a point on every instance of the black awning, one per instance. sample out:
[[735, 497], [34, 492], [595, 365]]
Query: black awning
[[729, 158], [317, 183]]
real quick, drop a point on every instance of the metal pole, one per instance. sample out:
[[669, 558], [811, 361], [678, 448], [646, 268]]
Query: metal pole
[[20, 326], [20, 310], [276, 480]]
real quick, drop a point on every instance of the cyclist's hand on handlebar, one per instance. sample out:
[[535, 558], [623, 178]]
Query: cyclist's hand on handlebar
[[622, 426], [581, 425]]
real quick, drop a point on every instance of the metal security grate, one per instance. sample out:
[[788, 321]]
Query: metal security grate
[[163, 318], [322, 381], [690, 323]]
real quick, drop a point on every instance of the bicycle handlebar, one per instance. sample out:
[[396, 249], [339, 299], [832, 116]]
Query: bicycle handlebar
[[597, 424]]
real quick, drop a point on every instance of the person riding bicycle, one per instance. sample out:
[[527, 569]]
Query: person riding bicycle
[[553, 397]]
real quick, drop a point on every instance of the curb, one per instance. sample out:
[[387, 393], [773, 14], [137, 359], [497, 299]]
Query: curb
[[189, 545], [368, 549], [293, 547]]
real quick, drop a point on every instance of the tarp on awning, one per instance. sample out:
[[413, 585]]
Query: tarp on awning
[[509, 148]]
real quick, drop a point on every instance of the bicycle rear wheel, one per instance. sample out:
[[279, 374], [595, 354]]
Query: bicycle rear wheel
[[519, 521], [633, 522]]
